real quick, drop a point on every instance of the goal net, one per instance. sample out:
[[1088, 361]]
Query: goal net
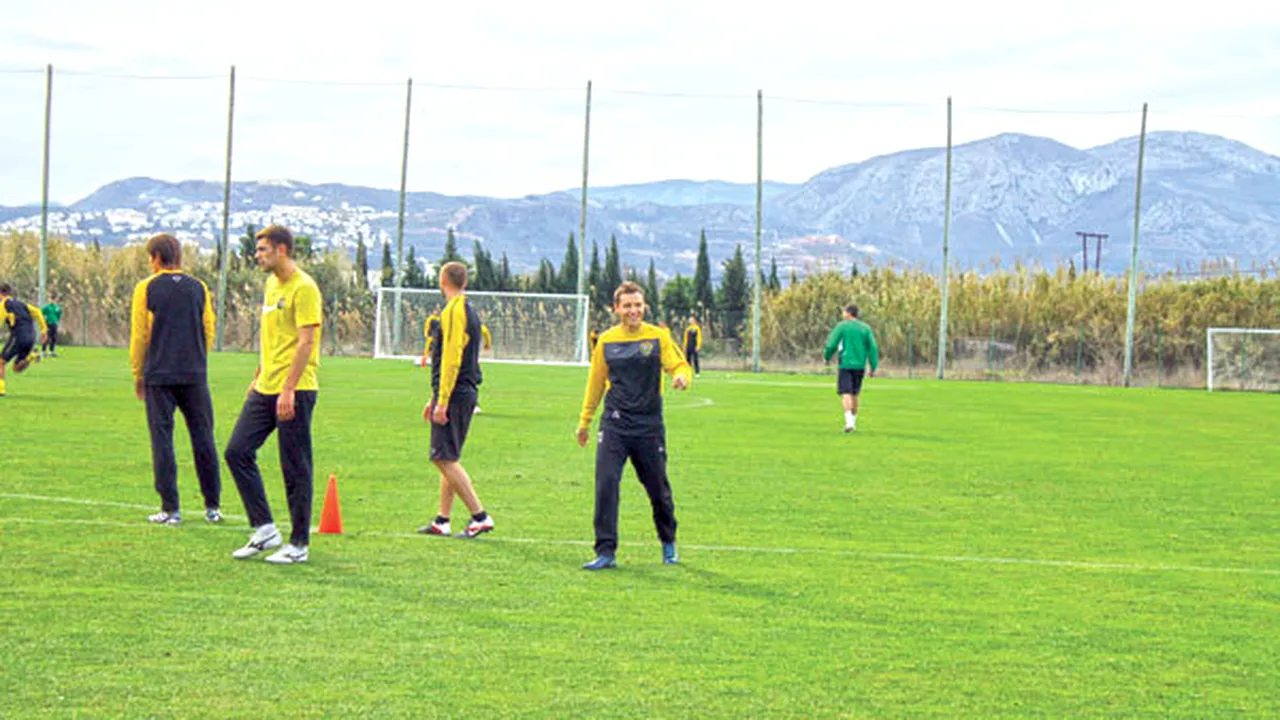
[[1243, 359], [525, 327]]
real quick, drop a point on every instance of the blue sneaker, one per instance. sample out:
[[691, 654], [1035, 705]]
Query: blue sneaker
[[669, 554], [602, 562]]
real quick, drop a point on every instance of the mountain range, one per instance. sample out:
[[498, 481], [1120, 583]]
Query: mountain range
[[1014, 198]]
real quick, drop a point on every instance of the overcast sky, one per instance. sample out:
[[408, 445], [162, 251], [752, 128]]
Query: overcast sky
[[1209, 67]]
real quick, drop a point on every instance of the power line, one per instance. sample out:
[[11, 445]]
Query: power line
[[134, 76], [866, 104], [1048, 111]]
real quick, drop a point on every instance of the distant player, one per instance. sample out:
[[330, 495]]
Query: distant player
[[430, 330], [693, 344], [856, 344], [171, 331], [281, 399], [22, 320], [455, 391], [629, 361], [52, 312]]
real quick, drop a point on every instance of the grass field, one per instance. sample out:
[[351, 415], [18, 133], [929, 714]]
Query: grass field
[[975, 549]]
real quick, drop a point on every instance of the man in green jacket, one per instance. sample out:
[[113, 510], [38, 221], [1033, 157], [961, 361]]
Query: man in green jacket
[[52, 316], [856, 344]]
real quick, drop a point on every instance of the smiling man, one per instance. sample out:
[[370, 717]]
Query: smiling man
[[631, 357]]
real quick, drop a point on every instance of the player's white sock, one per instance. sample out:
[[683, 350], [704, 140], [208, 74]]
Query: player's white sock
[[850, 419]]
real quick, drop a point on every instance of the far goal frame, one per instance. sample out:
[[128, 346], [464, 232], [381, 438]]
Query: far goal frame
[[581, 351], [1210, 332]]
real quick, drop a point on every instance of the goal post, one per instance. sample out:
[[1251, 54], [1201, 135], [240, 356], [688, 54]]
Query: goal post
[[1242, 359], [543, 328]]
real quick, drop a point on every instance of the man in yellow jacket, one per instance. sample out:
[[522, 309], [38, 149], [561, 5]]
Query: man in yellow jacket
[[629, 361]]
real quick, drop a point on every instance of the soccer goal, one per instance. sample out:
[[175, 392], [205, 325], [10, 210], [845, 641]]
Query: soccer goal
[[526, 327], [1243, 359]]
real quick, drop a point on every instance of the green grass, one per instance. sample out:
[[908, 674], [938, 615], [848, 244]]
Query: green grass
[[975, 549]]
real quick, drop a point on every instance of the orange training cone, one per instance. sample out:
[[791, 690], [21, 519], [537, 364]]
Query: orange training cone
[[331, 515]]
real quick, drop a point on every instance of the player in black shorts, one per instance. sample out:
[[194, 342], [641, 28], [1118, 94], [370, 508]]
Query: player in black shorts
[[22, 320], [854, 341], [455, 391]]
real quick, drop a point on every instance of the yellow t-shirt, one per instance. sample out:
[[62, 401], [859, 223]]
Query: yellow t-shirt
[[286, 307]]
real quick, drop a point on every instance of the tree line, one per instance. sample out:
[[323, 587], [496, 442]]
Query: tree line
[[1040, 318]]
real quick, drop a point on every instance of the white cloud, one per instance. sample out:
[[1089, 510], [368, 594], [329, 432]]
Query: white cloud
[[1194, 68]]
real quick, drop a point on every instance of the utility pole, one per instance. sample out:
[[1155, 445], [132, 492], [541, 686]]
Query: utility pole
[[1085, 237]]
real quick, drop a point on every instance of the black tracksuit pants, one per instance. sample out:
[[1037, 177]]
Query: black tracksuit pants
[[691, 354], [50, 339], [257, 422], [648, 455], [197, 408]]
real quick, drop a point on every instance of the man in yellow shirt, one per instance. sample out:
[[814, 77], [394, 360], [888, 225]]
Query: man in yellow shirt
[[281, 398], [629, 361]]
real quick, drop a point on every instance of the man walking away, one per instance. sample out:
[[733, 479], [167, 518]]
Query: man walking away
[[856, 343]]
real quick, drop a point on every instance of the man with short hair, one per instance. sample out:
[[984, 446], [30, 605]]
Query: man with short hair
[[170, 331], [22, 320], [693, 343], [52, 312], [281, 399], [856, 343], [629, 361], [455, 392]]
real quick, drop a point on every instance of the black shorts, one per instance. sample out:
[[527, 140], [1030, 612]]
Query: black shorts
[[850, 382], [447, 439], [18, 347]]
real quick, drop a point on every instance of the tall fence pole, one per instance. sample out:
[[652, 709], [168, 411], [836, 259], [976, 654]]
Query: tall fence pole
[[44, 187], [946, 242], [582, 229], [226, 216], [1133, 260], [759, 275], [404, 180]]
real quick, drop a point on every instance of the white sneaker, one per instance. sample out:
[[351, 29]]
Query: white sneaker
[[257, 544], [477, 527], [166, 518], [435, 528], [288, 555]]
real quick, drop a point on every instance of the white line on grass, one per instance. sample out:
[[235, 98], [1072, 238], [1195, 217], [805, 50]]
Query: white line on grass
[[856, 554], [701, 402], [98, 503]]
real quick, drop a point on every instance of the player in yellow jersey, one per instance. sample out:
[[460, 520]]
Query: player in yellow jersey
[[281, 399], [22, 320], [628, 362], [431, 331], [171, 326], [693, 344], [455, 391]]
